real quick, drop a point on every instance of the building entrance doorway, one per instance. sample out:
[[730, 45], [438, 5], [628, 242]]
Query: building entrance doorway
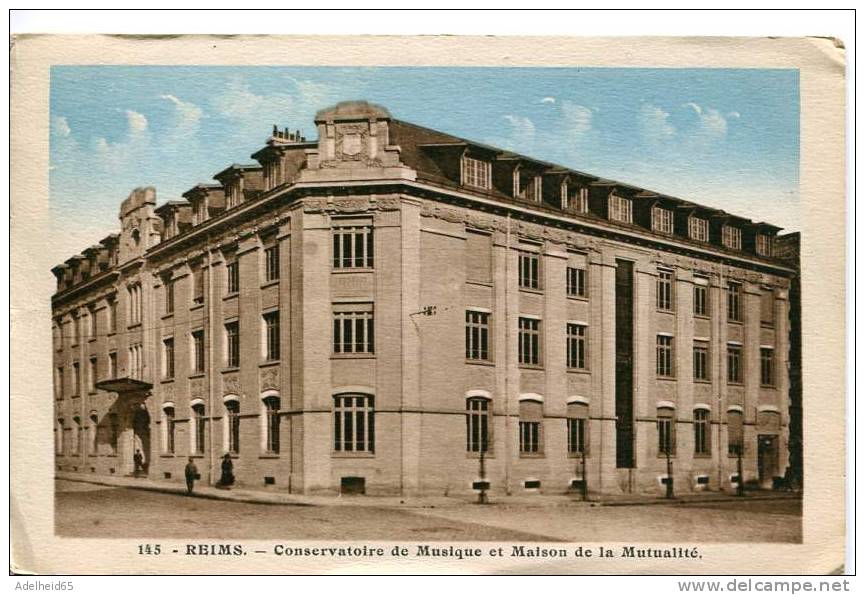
[[141, 440], [767, 459]]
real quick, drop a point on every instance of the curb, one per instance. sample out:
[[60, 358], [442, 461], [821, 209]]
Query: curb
[[182, 492], [717, 500]]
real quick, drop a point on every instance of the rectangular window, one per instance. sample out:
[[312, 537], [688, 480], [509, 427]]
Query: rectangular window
[[664, 293], [135, 305], [76, 379], [666, 432], [701, 296], [271, 336], [764, 244], [530, 265], [731, 237], [352, 245], [353, 330], [479, 256], [76, 329], [701, 361], [576, 436], [136, 361], [734, 302], [478, 424], [477, 335], [198, 352], [576, 346], [271, 406], [662, 220], [232, 278], [169, 296], [93, 375], [476, 173], [112, 364], [734, 364], [575, 282], [530, 432], [701, 432], [620, 209], [271, 263], [93, 331], [767, 366], [529, 341], [353, 424], [664, 359], [168, 357], [767, 308], [232, 344], [197, 284], [112, 316], [698, 229], [59, 382]]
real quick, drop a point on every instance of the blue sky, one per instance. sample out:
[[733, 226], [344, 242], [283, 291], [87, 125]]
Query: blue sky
[[725, 138]]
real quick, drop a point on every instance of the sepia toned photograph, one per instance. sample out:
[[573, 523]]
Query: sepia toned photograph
[[426, 304]]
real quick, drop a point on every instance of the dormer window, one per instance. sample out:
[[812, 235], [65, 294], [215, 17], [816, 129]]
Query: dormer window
[[476, 173], [233, 192], [620, 209], [764, 244], [200, 213], [270, 170], [731, 237], [698, 228], [575, 198], [527, 186], [662, 220]]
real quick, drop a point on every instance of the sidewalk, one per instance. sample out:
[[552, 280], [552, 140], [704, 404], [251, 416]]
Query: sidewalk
[[274, 497]]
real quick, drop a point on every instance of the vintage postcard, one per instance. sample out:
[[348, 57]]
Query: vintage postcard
[[427, 305]]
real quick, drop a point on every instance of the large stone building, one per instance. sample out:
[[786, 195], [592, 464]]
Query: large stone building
[[376, 309]]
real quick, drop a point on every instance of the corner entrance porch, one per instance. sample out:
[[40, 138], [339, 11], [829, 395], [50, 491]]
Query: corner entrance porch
[[130, 421]]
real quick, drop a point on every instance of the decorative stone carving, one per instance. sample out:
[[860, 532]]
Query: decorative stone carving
[[230, 385], [315, 205], [168, 392], [196, 388], [388, 203], [269, 378]]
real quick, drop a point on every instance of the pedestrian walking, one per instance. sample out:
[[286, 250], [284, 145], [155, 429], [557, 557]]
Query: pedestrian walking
[[191, 472]]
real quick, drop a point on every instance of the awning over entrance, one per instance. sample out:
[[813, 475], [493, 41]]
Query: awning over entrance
[[123, 385]]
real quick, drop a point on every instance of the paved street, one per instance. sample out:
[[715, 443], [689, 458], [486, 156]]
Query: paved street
[[85, 510]]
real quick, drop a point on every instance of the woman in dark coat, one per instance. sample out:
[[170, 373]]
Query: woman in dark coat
[[227, 478]]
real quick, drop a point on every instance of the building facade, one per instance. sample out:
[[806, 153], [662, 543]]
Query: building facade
[[389, 309]]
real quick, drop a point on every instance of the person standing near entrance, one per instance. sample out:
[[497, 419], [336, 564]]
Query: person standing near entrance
[[191, 472], [138, 462], [227, 471]]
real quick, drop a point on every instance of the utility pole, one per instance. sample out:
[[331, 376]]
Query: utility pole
[[740, 485], [482, 495], [669, 474], [585, 478]]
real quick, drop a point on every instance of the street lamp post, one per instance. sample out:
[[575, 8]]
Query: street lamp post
[[669, 474], [482, 495], [740, 485], [585, 478]]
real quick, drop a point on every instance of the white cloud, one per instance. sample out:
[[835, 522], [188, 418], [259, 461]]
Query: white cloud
[[548, 100], [522, 135], [654, 123], [734, 115], [697, 109], [60, 126], [188, 114], [578, 119], [712, 123], [137, 122], [240, 104]]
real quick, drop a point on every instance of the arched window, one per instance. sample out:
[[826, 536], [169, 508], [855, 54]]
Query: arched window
[[702, 440], [578, 428], [58, 437], [232, 426], [198, 428], [735, 432], [271, 424], [531, 426], [353, 423], [168, 428], [478, 424], [77, 435], [666, 431], [94, 433]]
